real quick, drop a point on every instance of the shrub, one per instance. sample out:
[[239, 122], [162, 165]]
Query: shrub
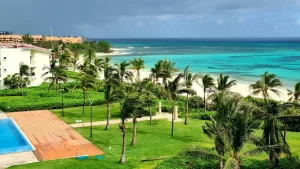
[[196, 102], [198, 115], [15, 92]]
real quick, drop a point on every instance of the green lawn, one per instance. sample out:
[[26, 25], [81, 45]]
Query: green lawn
[[99, 113], [152, 141]]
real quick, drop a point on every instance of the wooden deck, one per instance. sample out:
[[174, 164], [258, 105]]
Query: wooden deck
[[52, 137]]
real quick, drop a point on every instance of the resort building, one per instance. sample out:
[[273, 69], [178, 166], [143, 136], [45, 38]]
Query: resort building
[[13, 55], [10, 38]]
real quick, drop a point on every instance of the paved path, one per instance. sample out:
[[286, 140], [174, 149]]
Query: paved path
[[2, 115], [52, 137], [17, 159], [102, 123]]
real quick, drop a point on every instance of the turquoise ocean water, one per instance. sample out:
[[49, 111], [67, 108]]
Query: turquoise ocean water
[[243, 59]]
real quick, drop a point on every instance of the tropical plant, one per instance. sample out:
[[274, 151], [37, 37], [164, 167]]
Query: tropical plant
[[58, 75], [172, 87], [16, 81], [27, 39], [137, 65], [168, 70], [267, 83], [74, 60], [189, 79], [223, 85], [156, 71], [294, 95], [127, 91], [208, 83], [89, 56], [85, 81], [123, 69], [234, 130], [24, 71], [50, 69], [271, 129]]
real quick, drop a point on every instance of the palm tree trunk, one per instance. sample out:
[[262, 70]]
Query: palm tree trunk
[[133, 141], [122, 159], [204, 99], [187, 109], [150, 115], [138, 74], [108, 115], [220, 163], [172, 131], [271, 160]]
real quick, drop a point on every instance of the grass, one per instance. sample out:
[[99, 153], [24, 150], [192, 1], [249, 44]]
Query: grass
[[72, 75], [99, 113], [152, 142]]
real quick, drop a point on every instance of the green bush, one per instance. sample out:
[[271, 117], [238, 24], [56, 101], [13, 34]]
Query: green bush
[[198, 114], [12, 92], [40, 97], [196, 102], [189, 161]]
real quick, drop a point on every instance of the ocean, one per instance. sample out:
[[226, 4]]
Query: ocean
[[243, 59]]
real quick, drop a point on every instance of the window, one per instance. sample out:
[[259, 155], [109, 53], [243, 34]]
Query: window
[[4, 58], [4, 70]]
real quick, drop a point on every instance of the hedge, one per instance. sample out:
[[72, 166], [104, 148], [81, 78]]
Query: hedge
[[184, 162]]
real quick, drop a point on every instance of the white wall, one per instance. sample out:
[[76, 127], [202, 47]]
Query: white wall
[[16, 56]]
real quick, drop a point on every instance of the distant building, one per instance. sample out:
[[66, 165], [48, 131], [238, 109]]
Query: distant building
[[10, 38], [13, 55]]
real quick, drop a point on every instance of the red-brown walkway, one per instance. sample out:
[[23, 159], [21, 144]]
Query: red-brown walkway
[[52, 137]]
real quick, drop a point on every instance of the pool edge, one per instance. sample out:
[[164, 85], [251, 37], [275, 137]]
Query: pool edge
[[23, 134]]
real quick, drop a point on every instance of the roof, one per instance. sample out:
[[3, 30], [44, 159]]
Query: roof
[[24, 46]]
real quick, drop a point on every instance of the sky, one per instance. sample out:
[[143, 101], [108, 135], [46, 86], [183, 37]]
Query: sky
[[153, 18]]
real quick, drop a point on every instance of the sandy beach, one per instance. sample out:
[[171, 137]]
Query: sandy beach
[[241, 87]]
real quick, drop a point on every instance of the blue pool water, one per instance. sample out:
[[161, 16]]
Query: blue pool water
[[11, 139]]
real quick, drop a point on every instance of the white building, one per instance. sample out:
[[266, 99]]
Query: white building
[[13, 55]]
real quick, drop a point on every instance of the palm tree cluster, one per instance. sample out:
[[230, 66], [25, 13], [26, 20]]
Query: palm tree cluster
[[230, 128]]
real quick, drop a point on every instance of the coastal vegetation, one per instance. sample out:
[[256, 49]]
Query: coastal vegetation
[[237, 130]]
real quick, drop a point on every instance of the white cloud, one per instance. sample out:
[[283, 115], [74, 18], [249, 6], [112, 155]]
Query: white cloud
[[220, 21]]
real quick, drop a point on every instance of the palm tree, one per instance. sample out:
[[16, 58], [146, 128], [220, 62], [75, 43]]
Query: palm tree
[[58, 75], [168, 70], [127, 91], [85, 81], [223, 85], [125, 74], [173, 90], [111, 94], [156, 71], [74, 60], [189, 79], [111, 82], [24, 71], [294, 95], [234, 130], [89, 56], [208, 83], [267, 83], [50, 69], [137, 64]]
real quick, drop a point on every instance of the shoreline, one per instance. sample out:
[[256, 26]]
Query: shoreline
[[240, 87]]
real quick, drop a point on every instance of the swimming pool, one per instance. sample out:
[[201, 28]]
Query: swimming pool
[[11, 138]]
